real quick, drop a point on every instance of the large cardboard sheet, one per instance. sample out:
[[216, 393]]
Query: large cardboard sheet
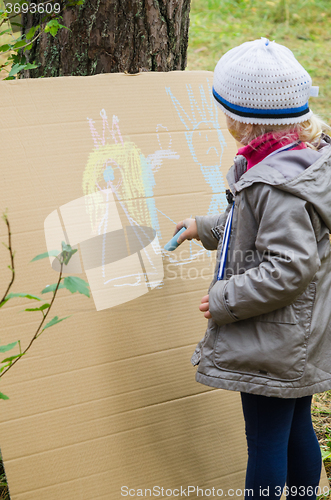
[[106, 401]]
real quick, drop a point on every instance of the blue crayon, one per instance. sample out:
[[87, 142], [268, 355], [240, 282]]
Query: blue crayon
[[172, 244]]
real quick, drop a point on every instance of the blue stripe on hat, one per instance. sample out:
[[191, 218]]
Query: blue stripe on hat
[[254, 112]]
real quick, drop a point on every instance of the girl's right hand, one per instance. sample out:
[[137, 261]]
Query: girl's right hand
[[191, 231]]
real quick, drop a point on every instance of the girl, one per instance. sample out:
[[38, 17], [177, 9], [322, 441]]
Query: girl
[[268, 306]]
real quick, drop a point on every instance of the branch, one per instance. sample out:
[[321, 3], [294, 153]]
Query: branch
[[11, 258], [19, 48], [8, 18], [37, 332]]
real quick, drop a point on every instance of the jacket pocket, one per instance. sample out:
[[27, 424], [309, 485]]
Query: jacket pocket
[[273, 347], [287, 315]]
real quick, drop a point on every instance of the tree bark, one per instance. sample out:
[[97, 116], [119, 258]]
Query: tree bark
[[110, 36]]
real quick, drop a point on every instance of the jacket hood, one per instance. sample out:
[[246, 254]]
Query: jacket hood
[[304, 173]]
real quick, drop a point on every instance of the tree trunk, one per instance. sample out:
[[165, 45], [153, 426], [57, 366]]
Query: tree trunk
[[110, 36]]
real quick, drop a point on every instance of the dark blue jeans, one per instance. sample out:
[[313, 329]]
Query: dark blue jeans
[[282, 447]]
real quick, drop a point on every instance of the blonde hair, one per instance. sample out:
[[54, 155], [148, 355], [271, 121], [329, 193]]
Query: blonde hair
[[309, 131]]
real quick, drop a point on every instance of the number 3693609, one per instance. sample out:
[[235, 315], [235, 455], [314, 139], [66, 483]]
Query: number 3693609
[[32, 8]]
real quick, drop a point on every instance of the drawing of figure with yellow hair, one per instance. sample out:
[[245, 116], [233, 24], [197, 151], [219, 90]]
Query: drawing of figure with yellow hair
[[118, 168]]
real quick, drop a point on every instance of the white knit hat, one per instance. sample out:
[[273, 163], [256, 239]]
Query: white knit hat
[[262, 82]]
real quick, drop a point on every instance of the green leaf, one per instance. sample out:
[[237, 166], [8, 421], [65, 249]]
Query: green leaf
[[29, 47], [3, 396], [30, 33], [18, 58], [53, 27], [17, 45], [5, 31], [54, 321], [8, 347], [16, 24], [41, 308], [5, 47], [66, 247], [325, 455], [72, 3], [75, 284], [27, 295], [11, 358], [31, 66], [53, 22], [12, 295], [51, 288], [15, 69], [67, 252], [53, 253], [326, 452]]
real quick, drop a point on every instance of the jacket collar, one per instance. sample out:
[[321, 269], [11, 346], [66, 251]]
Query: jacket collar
[[239, 178]]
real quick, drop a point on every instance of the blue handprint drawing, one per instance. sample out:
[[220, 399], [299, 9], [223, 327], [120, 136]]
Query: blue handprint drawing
[[201, 122]]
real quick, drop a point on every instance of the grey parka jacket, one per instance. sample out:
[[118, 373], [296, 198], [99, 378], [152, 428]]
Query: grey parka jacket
[[270, 331]]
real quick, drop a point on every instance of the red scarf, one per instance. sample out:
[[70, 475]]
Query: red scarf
[[265, 144]]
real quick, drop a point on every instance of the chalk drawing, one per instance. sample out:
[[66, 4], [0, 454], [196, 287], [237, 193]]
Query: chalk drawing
[[201, 122], [119, 165], [116, 222]]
